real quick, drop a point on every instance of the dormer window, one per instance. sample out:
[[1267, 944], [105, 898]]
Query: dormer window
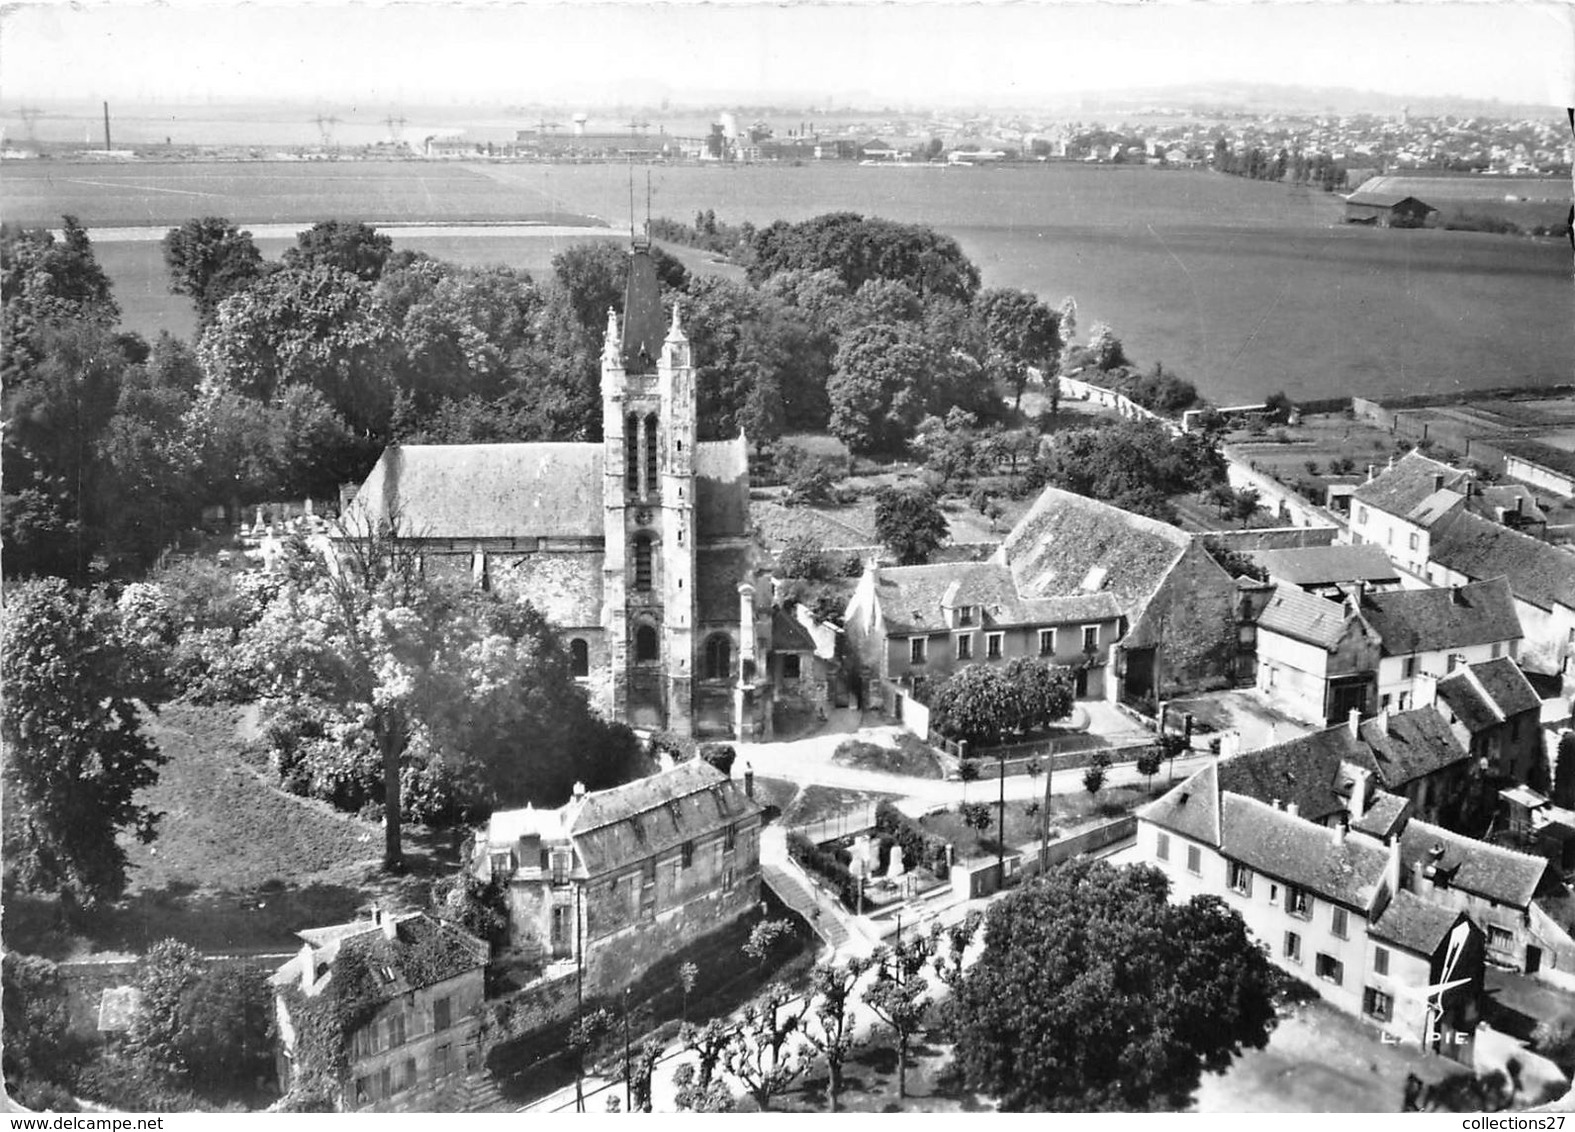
[[965, 615]]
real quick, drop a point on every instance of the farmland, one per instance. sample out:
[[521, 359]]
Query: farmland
[[1241, 287]]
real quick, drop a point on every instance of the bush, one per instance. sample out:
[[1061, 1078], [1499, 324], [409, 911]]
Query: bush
[[830, 865], [919, 849]]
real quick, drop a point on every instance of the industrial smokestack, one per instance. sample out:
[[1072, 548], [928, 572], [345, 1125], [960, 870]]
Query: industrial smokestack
[[107, 146]]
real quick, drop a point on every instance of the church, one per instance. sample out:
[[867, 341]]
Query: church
[[639, 548]]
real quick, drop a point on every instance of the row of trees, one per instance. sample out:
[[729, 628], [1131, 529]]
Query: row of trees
[[1297, 168]]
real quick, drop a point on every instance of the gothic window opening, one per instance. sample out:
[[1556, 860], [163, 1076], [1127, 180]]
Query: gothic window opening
[[645, 643], [650, 452], [631, 453], [579, 658], [718, 657], [642, 562]]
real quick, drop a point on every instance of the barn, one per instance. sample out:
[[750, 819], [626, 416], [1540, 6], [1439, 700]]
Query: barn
[[1383, 206]]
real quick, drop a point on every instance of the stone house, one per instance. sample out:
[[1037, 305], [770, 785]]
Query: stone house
[[1434, 631], [909, 621], [1469, 548], [416, 982], [1316, 657], [806, 668], [639, 547], [1494, 711], [613, 881], [1138, 607], [1394, 510], [1328, 903]]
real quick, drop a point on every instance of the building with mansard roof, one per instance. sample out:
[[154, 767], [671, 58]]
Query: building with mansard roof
[[639, 547]]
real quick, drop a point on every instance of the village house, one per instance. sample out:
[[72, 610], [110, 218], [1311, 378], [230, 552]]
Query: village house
[[416, 986], [1316, 658], [1330, 571], [1468, 548], [1327, 903], [639, 548], [909, 621], [1496, 713], [616, 880], [1535, 824], [1432, 632], [806, 670], [1394, 510]]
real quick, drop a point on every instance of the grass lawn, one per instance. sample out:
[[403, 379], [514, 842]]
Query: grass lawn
[[239, 866], [1067, 811], [910, 756]]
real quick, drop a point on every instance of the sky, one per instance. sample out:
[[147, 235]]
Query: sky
[[870, 54]]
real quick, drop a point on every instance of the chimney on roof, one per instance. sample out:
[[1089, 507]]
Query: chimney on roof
[[377, 916], [579, 791], [1455, 596], [1293, 809], [1357, 806], [1438, 481], [1520, 504], [1341, 828], [1354, 722], [1372, 472], [390, 927], [1383, 722]]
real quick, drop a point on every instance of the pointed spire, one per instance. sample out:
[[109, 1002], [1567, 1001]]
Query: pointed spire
[[612, 345], [675, 332]]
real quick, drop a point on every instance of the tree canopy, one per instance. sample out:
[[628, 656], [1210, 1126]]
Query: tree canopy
[[1095, 993], [859, 249], [75, 754], [910, 523], [209, 259]]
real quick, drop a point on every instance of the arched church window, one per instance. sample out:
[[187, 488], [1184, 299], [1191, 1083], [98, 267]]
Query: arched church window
[[718, 657], [579, 658], [650, 451], [642, 562], [645, 643], [631, 452]]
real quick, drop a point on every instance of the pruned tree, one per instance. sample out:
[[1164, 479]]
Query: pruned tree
[[758, 1054], [899, 995], [708, 1043], [1148, 764], [832, 1032], [1095, 773]]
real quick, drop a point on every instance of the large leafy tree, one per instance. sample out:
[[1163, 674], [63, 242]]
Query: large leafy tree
[[75, 755], [1022, 333], [344, 245], [1095, 993], [314, 325], [977, 704], [209, 259], [910, 523], [877, 388], [595, 275], [859, 249], [38, 1045], [45, 281]]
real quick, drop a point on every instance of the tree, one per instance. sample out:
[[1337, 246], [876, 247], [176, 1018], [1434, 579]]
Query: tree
[[1244, 502], [38, 1047], [75, 755], [225, 1020], [877, 387], [1148, 764], [689, 1096], [898, 995], [708, 1043], [910, 523], [209, 260], [1095, 993], [1105, 349], [1023, 335], [1564, 771], [977, 704], [157, 1039], [758, 1054], [1095, 772], [833, 1034], [640, 1074], [343, 245], [1043, 693], [975, 815], [687, 974]]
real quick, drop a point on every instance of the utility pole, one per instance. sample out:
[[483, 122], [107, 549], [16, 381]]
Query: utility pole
[[628, 1096], [106, 127], [1000, 819], [579, 1008]]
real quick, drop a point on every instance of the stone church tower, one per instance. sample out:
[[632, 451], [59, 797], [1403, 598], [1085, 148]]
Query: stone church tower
[[648, 498]]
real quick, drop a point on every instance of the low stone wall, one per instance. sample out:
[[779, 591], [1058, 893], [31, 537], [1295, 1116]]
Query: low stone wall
[[1086, 840]]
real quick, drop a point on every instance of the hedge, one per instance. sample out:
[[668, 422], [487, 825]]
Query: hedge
[[828, 864], [918, 847]]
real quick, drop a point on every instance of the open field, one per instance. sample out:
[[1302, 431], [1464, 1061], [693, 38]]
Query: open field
[[1242, 287]]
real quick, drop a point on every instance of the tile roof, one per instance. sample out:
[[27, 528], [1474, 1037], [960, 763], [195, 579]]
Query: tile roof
[[423, 952], [1409, 745], [1308, 771], [1474, 866], [1064, 537], [1191, 808], [1385, 816], [1487, 498], [1538, 572], [913, 598], [1413, 621], [1408, 483], [615, 828], [1328, 565], [1435, 507], [722, 487], [1326, 861], [787, 635], [1295, 613], [1415, 924], [1507, 684], [484, 491], [1468, 701]]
